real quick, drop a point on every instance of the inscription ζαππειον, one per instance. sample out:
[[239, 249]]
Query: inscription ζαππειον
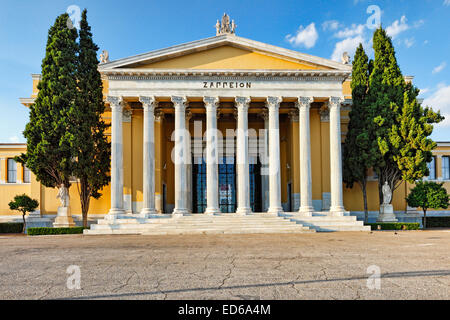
[[226, 85]]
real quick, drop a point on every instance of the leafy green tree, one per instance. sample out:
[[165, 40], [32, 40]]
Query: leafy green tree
[[428, 195], [359, 153], [48, 135], [90, 147], [401, 126], [24, 204]]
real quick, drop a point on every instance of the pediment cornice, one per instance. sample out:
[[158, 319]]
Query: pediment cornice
[[217, 41]]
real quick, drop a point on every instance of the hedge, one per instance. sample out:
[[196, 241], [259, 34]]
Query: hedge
[[11, 227], [436, 222], [395, 225], [47, 231]]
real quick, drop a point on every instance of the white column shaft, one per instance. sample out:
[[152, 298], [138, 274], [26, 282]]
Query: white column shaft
[[116, 157], [337, 204], [306, 207], [179, 156], [148, 208], [212, 175], [273, 104], [242, 159]]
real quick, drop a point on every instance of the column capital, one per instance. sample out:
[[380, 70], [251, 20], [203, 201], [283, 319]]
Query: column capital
[[148, 102], [211, 103], [264, 114], [179, 102], [242, 103], [335, 102], [293, 115], [273, 102], [159, 114], [115, 101], [304, 102]]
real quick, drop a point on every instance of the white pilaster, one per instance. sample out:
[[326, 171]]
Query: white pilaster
[[337, 203], [149, 104], [212, 156], [273, 104], [116, 105], [179, 155], [306, 205], [242, 160]]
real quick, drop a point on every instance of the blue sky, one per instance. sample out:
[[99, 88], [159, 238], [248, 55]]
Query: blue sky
[[420, 31]]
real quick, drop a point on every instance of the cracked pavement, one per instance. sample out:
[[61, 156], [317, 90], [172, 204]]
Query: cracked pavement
[[413, 265]]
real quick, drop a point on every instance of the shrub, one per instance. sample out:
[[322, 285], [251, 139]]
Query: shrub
[[436, 222], [23, 204], [53, 231], [395, 225], [11, 227]]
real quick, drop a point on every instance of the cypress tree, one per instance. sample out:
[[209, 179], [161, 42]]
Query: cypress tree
[[400, 125], [90, 147], [359, 153], [48, 135]]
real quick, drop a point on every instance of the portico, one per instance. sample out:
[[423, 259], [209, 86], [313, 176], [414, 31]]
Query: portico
[[182, 157]]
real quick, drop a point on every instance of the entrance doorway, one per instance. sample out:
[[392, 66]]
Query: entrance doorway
[[227, 186]]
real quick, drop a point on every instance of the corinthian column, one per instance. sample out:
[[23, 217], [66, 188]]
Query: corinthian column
[[179, 156], [242, 160], [116, 105], [212, 155], [306, 207], [273, 104], [337, 203], [149, 104]]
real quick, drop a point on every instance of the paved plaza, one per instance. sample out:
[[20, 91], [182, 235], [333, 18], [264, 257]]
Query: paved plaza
[[413, 265]]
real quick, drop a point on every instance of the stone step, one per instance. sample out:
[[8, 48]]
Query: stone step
[[157, 231], [341, 228], [329, 223], [195, 225], [322, 218]]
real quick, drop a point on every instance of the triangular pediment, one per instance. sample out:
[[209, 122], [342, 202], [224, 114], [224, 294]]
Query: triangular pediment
[[225, 52]]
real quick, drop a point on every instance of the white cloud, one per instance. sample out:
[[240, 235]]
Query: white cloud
[[348, 45], [440, 100], [354, 30], [397, 27], [14, 139], [304, 37], [409, 42], [446, 3], [331, 25], [439, 68]]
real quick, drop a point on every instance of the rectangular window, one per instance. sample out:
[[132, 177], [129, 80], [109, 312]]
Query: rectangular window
[[432, 168], [446, 168], [12, 171], [26, 175]]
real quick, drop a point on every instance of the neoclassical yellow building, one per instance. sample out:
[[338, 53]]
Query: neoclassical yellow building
[[280, 115]]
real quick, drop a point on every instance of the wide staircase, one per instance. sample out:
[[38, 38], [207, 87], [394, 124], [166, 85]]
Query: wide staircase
[[226, 223], [323, 222]]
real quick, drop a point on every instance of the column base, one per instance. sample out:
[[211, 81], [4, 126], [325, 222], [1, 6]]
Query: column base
[[179, 212], [276, 210], [212, 211], [146, 212], [114, 213], [337, 211], [306, 211], [243, 210]]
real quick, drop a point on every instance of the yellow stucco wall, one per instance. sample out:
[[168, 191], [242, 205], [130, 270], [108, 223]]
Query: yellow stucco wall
[[228, 57]]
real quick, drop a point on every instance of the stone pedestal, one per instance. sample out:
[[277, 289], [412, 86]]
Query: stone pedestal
[[386, 213], [63, 218]]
